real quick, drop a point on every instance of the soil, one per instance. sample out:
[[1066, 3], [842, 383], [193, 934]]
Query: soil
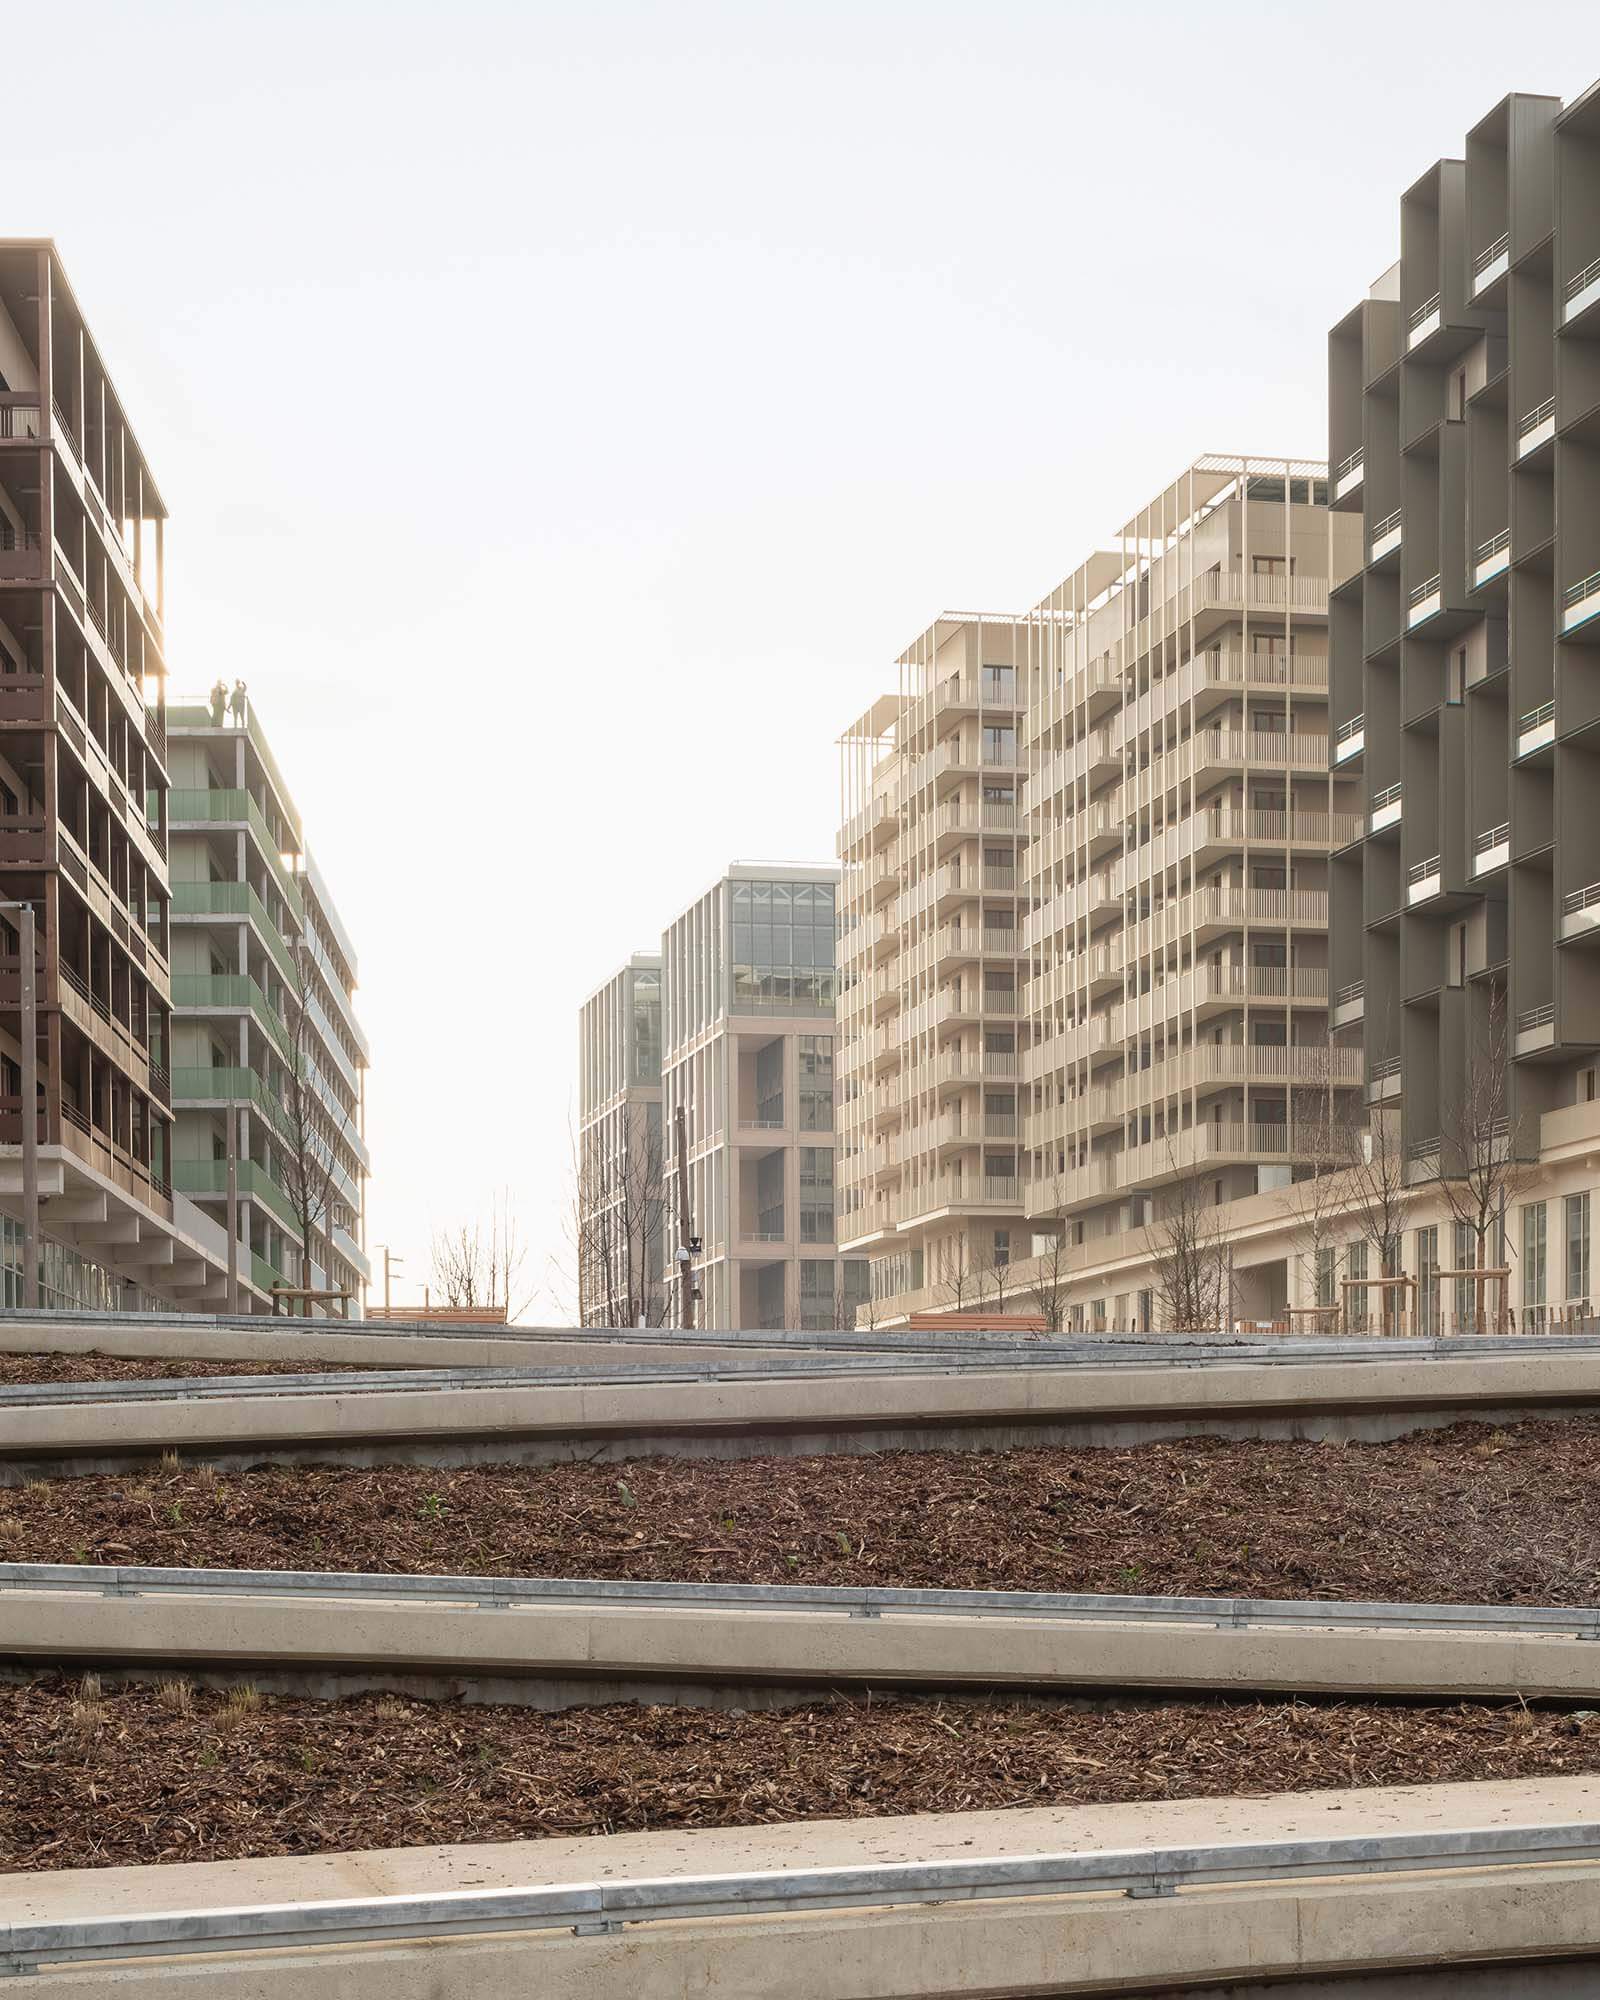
[[19, 1371], [138, 1774], [1466, 1515]]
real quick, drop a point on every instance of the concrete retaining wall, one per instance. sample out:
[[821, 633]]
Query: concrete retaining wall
[[1081, 1404]]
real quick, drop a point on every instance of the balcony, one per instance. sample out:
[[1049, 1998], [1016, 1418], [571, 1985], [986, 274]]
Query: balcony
[[1490, 265], [1537, 428], [1491, 849], [1582, 292], [1424, 322], [1424, 879], [1386, 537], [235, 899], [18, 419], [1536, 1029], [1536, 730], [208, 991], [210, 1178], [213, 807], [1580, 913], [1386, 809], [1492, 559], [1580, 602], [21, 557], [1426, 601], [1348, 474], [1383, 1081], [1351, 739], [1350, 1004]]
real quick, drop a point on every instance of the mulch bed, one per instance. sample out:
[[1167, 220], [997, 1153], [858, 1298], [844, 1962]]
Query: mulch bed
[[139, 1774], [1466, 1515], [20, 1371]]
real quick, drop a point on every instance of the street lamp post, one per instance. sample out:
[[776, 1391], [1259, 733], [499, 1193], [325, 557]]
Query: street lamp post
[[28, 1035]]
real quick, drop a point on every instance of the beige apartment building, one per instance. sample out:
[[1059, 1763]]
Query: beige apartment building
[[733, 1021], [621, 1163], [1084, 934], [930, 1022]]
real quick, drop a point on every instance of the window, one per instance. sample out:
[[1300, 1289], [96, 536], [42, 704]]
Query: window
[[1428, 1280], [999, 743], [1355, 1280], [814, 1059], [1001, 1251], [1000, 686], [1533, 1255], [1327, 1261], [1272, 565], [1464, 1256], [816, 1194], [1577, 1216]]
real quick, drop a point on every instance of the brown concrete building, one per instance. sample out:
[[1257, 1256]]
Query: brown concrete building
[[83, 812]]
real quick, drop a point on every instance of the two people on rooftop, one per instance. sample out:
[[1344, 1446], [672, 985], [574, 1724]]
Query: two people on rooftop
[[224, 704]]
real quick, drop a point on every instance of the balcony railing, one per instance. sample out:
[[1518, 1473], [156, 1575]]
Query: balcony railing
[[1421, 870], [1589, 275], [1536, 1017], [1386, 526], [1428, 307], [1541, 413], [1484, 258], [1356, 990], [1491, 837], [1580, 899], [1387, 795], [1575, 593], [1428, 589], [1351, 728], [19, 420], [1493, 546], [1347, 464], [1536, 718], [65, 429]]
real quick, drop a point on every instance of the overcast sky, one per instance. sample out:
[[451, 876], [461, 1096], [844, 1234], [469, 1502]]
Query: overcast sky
[[568, 412]]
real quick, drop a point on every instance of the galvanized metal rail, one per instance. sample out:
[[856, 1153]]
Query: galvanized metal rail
[[590, 1908], [572, 1593], [1118, 1357]]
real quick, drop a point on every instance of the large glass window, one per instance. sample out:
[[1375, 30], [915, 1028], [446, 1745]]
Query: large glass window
[[1464, 1256], [814, 1055], [816, 1194], [1533, 1254], [999, 743], [1000, 686], [1577, 1215], [783, 948], [1428, 1280]]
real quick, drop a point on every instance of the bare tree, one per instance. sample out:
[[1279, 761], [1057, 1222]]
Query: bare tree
[[957, 1283], [1191, 1271], [1379, 1197], [998, 1274], [619, 1224], [1480, 1171], [1318, 1203], [478, 1266], [1050, 1279], [314, 1121]]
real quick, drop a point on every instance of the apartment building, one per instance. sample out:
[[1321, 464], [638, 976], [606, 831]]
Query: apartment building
[[930, 1008], [749, 983], [1084, 943], [1182, 817], [621, 1195], [83, 818], [264, 1024], [1464, 422]]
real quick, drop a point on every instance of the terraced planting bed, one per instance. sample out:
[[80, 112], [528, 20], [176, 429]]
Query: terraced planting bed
[[1465, 1515], [95, 1777], [25, 1370]]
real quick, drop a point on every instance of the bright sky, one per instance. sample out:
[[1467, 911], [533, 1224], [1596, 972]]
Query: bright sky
[[568, 412]]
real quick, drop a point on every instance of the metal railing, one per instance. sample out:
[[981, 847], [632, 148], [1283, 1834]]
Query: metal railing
[[1584, 279], [1351, 728], [61, 424], [19, 420], [1580, 899], [1536, 718], [1493, 546], [1575, 593], [1498, 248], [17, 540], [1348, 463], [1386, 1066], [1384, 527], [594, 1908], [1428, 589], [1536, 1017], [1494, 836], [1539, 414], [1387, 795], [1421, 313], [1421, 870]]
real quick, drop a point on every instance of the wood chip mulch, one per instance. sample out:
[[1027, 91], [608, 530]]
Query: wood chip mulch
[[22, 1371], [1466, 1515], [137, 1774]]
